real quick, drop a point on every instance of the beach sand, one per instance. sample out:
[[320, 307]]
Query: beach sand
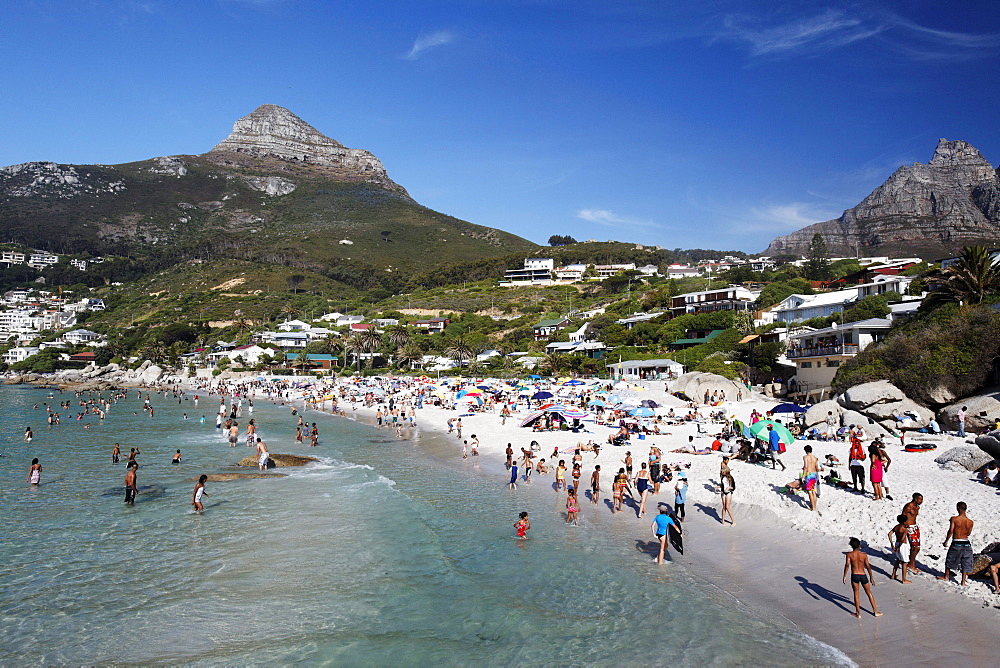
[[780, 556]]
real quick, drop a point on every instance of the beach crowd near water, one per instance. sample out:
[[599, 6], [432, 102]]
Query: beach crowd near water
[[631, 450]]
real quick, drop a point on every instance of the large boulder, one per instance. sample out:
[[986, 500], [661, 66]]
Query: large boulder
[[816, 415], [862, 396], [988, 403], [990, 444], [151, 374], [872, 428], [919, 415], [970, 457], [278, 460], [695, 384]]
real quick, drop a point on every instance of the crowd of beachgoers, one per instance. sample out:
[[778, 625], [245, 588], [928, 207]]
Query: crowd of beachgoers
[[635, 450]]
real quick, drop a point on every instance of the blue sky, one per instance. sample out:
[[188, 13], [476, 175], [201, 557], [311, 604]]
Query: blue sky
[[707, 124]]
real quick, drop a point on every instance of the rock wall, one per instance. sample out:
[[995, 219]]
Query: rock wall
[[950, 202]]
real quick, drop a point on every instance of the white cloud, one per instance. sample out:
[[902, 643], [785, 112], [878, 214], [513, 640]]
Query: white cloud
[[424, 42], [833, 29], [784, 217], [606, 217]]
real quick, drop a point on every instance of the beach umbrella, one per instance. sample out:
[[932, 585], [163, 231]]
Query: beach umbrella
[[574, 382], [642, 412], [649, 403], [535, 376], [596, 402], [469, 399], [542, 395], [788, 408], [759, 429], [484, 387]]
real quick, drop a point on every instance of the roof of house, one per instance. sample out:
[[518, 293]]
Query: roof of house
[[551, 323], [647, 364], [824, 298], [870, 323], [711, 335], [312, 357]]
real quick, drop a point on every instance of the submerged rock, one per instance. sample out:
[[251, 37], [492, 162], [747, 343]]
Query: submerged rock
[[278, 460]]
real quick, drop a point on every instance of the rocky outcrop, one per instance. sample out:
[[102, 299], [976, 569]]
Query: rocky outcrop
[[862, 396], [981, 414], [695, 384], [816, 415], [170, 165], [278, 460], [881, 408], [990, 444], [54, 181], [271, 185], [950, 202], [271, 131], [967, 457]]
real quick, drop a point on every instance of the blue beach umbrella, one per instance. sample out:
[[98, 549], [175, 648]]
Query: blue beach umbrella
[[788, 408], [574, 382], [542, 395], [642, 412], [596, 402]]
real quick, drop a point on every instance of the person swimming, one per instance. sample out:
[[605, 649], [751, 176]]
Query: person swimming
[[177, 458]]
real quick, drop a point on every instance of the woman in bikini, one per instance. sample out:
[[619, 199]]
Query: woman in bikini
[[577, 472], [572, 506], [726, 488], [618, 490]]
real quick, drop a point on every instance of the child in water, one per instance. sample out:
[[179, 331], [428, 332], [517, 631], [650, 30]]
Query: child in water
[[522, 525], [572, 507]]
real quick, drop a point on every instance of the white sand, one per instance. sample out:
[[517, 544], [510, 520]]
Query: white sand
[[842, 513]]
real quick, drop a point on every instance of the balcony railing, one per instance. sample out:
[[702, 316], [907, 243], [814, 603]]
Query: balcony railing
[[823, 351]]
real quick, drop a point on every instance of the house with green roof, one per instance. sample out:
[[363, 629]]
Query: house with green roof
[[547, 328], [695, 337]]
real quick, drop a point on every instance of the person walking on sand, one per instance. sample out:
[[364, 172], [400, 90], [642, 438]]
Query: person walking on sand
[[654, 468], [199, 491], [856, 460], [595, 485], [131, 485], [661, 528], [912, 510], [774, 446], [262, 454], [726, 488], [897, 536], [810, 475], [960, 556], [680, 495], [35, 472], [523, 526], [642, 486], [618, 490], [857, 563]]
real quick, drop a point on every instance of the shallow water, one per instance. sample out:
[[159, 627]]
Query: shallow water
[[386, 551]]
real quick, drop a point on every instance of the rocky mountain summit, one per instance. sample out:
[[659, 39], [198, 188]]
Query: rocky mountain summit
[[271, 131], [929, 210]]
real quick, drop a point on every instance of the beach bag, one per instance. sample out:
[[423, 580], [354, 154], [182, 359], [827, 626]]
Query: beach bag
[[781, 448]]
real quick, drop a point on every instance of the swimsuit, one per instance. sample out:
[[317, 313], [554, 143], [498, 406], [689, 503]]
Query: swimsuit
[[520, 531], [860, 579], [960, 556], [36, 477], [642, 485], [913, 535], [809, 482]]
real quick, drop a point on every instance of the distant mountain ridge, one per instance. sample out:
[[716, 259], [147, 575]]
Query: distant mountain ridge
[[276, 190], [930, 210]]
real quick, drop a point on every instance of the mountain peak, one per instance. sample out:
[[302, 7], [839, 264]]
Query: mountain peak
[[270, 131], [957, 153]]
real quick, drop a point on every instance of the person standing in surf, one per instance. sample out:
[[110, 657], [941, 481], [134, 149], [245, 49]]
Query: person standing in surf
[[131, 485], [523, 526], [199, 491], [661, 528], [262, 454], [35, 472]]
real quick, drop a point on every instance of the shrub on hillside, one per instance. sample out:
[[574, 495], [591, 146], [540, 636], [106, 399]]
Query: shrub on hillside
[[946, 353]]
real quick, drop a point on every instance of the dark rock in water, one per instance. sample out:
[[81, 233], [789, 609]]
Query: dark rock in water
[[278, 460], [990, 444], [224, 477]]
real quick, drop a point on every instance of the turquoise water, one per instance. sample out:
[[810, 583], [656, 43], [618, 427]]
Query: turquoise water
[[386, 552]]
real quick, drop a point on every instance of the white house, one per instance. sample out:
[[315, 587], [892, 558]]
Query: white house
[[346, 320], [79, 264], [804, 307], [330, 317], [285, 339], [819, 353], [630, 321], [293, 326], [731, 298], [570, 272], [883, 284], [536, 271], [12, 257], [647, 369], [81, 336], [674, 271], [19, 354]]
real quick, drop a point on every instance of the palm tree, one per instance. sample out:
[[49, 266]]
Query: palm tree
[[288, 310], [354, 344], [459, 350], [242, 326], [335, 344], [967, 281], [398, 335], [408, 356], [553, 363], [371, 340]]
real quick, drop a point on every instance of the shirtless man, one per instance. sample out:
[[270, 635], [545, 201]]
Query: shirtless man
[[234, 434], [857, 563], [115, 453], [911, 510], [595, 485], [262, 454], [960, 553], [131, 487], [810, 475]]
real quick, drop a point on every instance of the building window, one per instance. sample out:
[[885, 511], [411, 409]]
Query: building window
[[833, 363], [805, 365]]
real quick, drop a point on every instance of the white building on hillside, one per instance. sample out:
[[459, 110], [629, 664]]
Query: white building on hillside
[[804, 307]]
